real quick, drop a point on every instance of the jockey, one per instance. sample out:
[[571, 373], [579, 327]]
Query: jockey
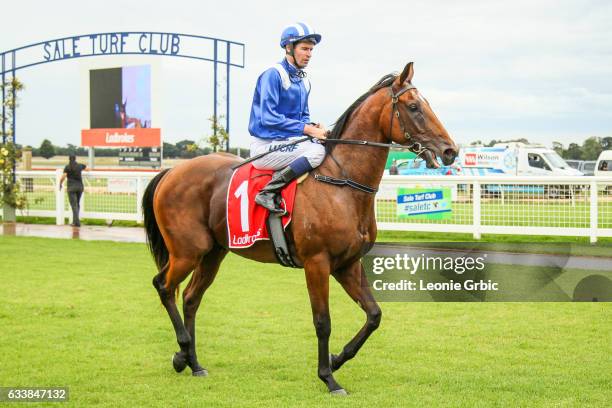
[[280, 115]]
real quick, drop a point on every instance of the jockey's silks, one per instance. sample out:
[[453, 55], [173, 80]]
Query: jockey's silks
[[280, 103]]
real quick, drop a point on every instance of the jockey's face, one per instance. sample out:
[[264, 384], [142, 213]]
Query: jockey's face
[[302, 51]]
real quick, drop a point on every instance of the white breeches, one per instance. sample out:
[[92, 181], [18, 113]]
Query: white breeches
[[312, 150]]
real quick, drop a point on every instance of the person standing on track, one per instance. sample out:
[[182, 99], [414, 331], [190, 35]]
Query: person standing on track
[[72, 172]]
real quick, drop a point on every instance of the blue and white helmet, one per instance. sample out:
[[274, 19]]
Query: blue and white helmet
[[299, 32]]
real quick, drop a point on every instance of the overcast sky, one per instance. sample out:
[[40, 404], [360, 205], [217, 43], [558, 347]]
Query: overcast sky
[[490, 69]]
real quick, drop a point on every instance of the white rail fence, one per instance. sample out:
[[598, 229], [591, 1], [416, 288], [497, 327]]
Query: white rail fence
[[567, 206]]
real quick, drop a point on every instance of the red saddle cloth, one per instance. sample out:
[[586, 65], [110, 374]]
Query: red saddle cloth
[[246, 220]]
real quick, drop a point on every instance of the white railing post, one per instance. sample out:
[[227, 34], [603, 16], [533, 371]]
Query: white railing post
[[59, 199], [139, 194], [476, 209], [593, 212]]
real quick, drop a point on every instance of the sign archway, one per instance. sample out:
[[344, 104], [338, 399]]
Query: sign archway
[[145, 43]]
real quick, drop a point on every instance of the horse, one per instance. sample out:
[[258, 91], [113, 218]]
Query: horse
[[126, 120], [185, 216]]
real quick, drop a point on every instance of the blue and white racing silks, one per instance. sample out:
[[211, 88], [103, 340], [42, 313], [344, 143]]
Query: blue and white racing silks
[[280, 103]]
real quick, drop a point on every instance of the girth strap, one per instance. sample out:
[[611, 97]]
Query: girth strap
[[345, 182]]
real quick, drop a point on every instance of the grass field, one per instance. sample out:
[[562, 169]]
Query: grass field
[[84, 315]]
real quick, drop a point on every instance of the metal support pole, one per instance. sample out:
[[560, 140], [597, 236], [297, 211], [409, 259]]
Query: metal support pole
[[14, 116], [3, 99], [215, 93], [227, 96]]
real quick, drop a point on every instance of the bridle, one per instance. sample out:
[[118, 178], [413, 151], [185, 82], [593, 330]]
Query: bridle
[[414, 146]]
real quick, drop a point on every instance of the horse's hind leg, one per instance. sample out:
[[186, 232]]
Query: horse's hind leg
[[166, 283], [202, 278], [354, 282]]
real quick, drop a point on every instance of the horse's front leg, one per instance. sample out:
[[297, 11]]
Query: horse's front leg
[[317, 279], [355, 283]]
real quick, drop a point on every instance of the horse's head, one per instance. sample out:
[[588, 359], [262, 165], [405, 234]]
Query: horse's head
[[413, 123]]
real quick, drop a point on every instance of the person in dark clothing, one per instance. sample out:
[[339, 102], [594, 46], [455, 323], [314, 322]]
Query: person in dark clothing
[[393, 169], [75, 186]]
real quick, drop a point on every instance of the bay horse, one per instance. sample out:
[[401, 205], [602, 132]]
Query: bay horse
[[333, 226]]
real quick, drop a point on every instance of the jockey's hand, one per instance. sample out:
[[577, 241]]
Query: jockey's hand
[[317, 131]]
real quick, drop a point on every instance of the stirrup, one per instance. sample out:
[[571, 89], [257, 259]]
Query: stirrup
[[283, 207]]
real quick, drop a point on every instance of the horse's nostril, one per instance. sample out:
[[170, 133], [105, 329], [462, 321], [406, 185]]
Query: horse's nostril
[[450, 154]]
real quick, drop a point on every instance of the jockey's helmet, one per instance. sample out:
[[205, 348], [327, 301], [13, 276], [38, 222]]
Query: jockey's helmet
[[299, 32]]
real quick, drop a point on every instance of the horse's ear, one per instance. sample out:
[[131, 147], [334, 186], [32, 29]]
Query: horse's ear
[[407, 73]]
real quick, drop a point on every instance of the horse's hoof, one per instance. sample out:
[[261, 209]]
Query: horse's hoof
[[340, 391], [179, 362], [201, 373]]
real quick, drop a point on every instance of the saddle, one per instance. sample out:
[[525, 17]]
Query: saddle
[[248, 222]]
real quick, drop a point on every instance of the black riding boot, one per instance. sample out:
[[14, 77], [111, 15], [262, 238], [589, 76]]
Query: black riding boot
[[267, 196]]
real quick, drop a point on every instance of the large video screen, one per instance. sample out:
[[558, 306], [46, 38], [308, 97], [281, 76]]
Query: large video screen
[[120, 97]]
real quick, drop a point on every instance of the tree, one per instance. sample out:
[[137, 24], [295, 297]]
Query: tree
[[47, 150], [182, 145], [573, 152], [591, 148], [170, 150], [606, 143], [219, 137], [558, 147], [11, 196]]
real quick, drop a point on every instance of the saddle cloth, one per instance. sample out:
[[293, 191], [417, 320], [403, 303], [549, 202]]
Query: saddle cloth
[[246, 220]]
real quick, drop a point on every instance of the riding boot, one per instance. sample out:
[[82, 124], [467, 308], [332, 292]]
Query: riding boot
[[267, 197]]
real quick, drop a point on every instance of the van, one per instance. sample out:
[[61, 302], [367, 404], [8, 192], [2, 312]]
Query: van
[[604, 164], [517, 159]]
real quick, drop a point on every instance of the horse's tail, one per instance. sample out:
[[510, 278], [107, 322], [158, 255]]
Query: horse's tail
[[154, 238]]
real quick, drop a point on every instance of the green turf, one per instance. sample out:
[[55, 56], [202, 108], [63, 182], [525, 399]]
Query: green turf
[[84, 315]]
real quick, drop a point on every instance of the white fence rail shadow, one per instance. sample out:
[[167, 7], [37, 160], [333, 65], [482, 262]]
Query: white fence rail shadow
[[567, 206]]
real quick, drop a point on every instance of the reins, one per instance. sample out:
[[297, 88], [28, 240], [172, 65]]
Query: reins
[[414, 147]]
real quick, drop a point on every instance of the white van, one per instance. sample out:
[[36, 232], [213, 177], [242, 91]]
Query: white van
[[604, 164], [513, 158]]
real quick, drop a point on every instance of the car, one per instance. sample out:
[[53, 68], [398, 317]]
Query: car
[[574, 163], [417, 167], [588, 167]]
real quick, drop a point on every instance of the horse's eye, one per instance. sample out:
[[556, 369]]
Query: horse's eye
[[413, 107]]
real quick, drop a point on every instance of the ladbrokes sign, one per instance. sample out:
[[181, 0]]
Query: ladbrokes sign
[[140, 137]]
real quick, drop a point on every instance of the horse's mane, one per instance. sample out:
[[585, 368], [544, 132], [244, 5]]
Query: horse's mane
[[340, 124]]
